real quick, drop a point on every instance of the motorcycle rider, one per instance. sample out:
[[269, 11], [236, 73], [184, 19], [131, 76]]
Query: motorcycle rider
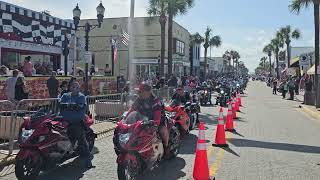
[[75, 118], [151, 106], [181, 96]]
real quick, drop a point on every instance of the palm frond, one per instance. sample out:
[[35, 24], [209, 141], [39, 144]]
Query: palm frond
[[297, 5]]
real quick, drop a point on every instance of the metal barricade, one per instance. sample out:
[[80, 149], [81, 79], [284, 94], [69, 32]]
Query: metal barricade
[[7, 124], [106, 106]]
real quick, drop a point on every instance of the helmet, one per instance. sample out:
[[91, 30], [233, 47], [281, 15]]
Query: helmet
[[144, 87]]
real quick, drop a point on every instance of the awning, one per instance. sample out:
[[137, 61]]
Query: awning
[[295, 62], [311, 70]]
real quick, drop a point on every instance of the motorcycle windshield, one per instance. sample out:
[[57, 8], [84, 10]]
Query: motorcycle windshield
[[133, 118]]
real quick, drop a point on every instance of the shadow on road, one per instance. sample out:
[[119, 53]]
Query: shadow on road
[[208, 119], [73, 170], [240, 119], [189, 144], [168, 170], [229, 150], [237, 133], [277, 146]]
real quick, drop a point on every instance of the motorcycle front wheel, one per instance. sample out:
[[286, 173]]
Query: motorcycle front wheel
[[27, 169], [128, 171]]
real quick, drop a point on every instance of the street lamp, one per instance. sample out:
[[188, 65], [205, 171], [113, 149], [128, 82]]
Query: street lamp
[[87, 28]]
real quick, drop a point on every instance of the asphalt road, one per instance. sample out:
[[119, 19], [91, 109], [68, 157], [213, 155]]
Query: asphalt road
[[274, 140]]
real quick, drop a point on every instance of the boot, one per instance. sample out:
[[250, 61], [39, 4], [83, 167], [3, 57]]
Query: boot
[[166, 152]]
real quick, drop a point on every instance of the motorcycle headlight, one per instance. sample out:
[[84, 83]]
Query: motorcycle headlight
[[171, 114], [25, 134], [205, 91], [124, 138], [222, 92]]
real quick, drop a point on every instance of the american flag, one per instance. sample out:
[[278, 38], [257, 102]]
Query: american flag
[[125, 38], [115, 50]]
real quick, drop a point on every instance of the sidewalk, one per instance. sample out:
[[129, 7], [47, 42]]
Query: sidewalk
[[311, 110], [98, 128]]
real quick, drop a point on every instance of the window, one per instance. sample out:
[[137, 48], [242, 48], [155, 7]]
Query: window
[[179, 47]]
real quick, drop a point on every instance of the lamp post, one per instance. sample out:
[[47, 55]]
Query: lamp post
[[87, 28]]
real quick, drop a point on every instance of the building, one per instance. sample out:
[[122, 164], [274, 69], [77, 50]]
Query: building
[[146, 38], [24, 32], [195, 58], [215, 65]]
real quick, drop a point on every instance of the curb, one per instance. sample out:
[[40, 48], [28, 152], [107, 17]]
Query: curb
[[311, 112]]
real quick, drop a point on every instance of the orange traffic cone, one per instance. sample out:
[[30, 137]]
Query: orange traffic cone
[[201, 166], [229, 123], [220, 133], [233, 104], [238, 103]]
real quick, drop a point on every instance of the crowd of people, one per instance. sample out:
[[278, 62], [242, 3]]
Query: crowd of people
[[27, 68], [291, 85]]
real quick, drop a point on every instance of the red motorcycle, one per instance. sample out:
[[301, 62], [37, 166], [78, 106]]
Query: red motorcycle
[[177, 112], [139, 146], [44, 143]]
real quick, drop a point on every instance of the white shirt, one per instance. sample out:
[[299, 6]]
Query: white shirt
[[10, 87]]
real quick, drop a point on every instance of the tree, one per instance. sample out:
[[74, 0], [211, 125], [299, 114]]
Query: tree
[[160, 8], [175, 7], [263, 62], [227, 57], [235, 57], [295, 7], [287, 35], [209, 41], [277, 43], [268, 49], [194, 39]]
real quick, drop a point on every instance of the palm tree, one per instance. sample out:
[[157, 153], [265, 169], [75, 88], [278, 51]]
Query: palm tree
[[235, 57], [277, 44], [295, 7], [227, 57], [263, 62], [160, 8], [194, 39], [268, 49], [175, 7], [287, 34], [209, 41]]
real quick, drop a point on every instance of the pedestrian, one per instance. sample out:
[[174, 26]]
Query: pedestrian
[[291, 86], [73, 79], [92, 70], [285, 89], [21, 91], [53, 85], [275, 84], [172, 82], [10, 84], [27, 67], [308, 95], [64, 88], [296, 85], [3, 70], [107, 70]]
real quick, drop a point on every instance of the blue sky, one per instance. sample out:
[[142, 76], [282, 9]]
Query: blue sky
[[244, 25]]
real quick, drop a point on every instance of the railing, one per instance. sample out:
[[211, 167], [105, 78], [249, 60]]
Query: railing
[[102, 108]]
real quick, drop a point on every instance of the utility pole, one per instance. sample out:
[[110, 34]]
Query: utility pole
[[130, 70]]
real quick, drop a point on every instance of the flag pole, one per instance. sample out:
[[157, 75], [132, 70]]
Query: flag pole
[[131, 43]]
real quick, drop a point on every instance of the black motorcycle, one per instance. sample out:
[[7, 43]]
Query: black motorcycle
[[223, 98], [205, 96]]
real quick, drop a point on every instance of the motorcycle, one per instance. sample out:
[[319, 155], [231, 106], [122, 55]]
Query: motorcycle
[[222, 98], [44, 142], [138, 145], [177, 112], [205, 97]]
